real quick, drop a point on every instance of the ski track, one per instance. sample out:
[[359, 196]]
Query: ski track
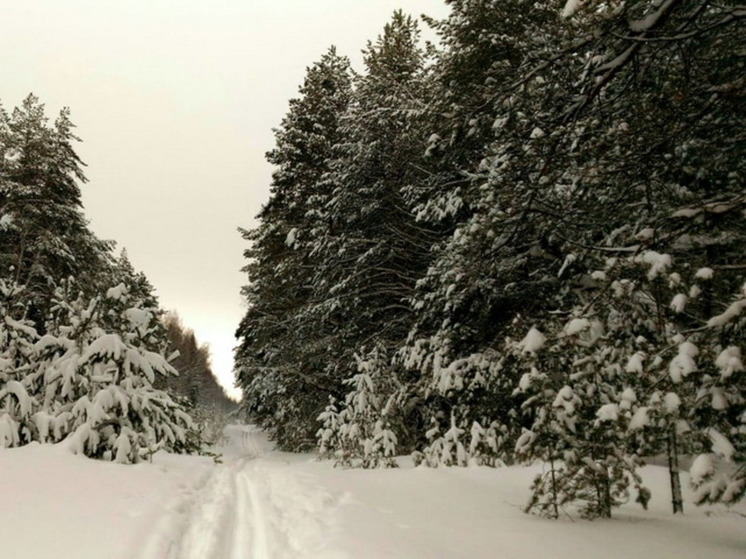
[[258, 520], [248, 508]]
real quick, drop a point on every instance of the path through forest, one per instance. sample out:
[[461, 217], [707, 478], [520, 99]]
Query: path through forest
[[250, 506]]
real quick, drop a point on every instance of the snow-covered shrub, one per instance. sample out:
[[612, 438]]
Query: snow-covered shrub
[[361, 434], [454, 452], [432, 453], [720, 406], [687, 372], [90, 378], [445, 448], [102, 381], [329, 436], [486, 443], [632, 375], [465, 393], [18, 405], [570, 390]]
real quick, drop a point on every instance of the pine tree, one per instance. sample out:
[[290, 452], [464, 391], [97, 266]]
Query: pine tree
[[44, 235], [374, 251], [282, 355], [359, 431]]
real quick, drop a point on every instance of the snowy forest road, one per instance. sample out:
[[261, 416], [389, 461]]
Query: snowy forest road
[[249, 507]]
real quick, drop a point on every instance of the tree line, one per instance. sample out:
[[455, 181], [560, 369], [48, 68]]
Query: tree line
[[83, 340], [523, 243]]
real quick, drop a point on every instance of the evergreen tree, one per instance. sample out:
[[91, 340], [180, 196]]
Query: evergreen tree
[[375, 251], [282, 354], [18, 404], [90, 378], [43, 233]]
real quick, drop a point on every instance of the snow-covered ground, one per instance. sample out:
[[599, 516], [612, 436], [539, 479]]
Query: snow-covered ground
[[262, 504]]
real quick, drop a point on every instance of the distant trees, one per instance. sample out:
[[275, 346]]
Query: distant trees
[[195, 385], [526, 245], [195, 381]]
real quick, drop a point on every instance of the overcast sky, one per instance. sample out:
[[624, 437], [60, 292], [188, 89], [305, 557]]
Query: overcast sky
[[175, 101]]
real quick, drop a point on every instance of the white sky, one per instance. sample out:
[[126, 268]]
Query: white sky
[[175, 101]]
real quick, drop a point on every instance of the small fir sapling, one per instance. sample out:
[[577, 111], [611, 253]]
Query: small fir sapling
[[89, 378], [361, 433], [21, 420]]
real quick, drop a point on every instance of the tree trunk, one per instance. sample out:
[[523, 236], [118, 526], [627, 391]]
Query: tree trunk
[[555, 507], [673, 472], [603, 487]]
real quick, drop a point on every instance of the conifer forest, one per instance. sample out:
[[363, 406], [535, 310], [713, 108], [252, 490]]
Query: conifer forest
[[523, 243]]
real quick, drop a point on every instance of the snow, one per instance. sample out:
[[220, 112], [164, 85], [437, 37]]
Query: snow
[[17, 389], [569, 259], [138, 318], [651, 19], [686, 212], [533, 341], [634, 365], [108, 345], [730, 313], [721, 445], [6, 221], [683, 364], [672, 402], [645, 234], [704, 273], [290, 239], [639, 420], [678, 303], [702, 467], [571, 6], [729, 361], [116, 292], [628, 397], [658, 262], [263, 504], [608, 412], [576, 325], [719, 401]]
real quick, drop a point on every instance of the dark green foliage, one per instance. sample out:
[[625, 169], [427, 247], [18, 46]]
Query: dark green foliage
[[44, 236], [283, 346], [582, 175]]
